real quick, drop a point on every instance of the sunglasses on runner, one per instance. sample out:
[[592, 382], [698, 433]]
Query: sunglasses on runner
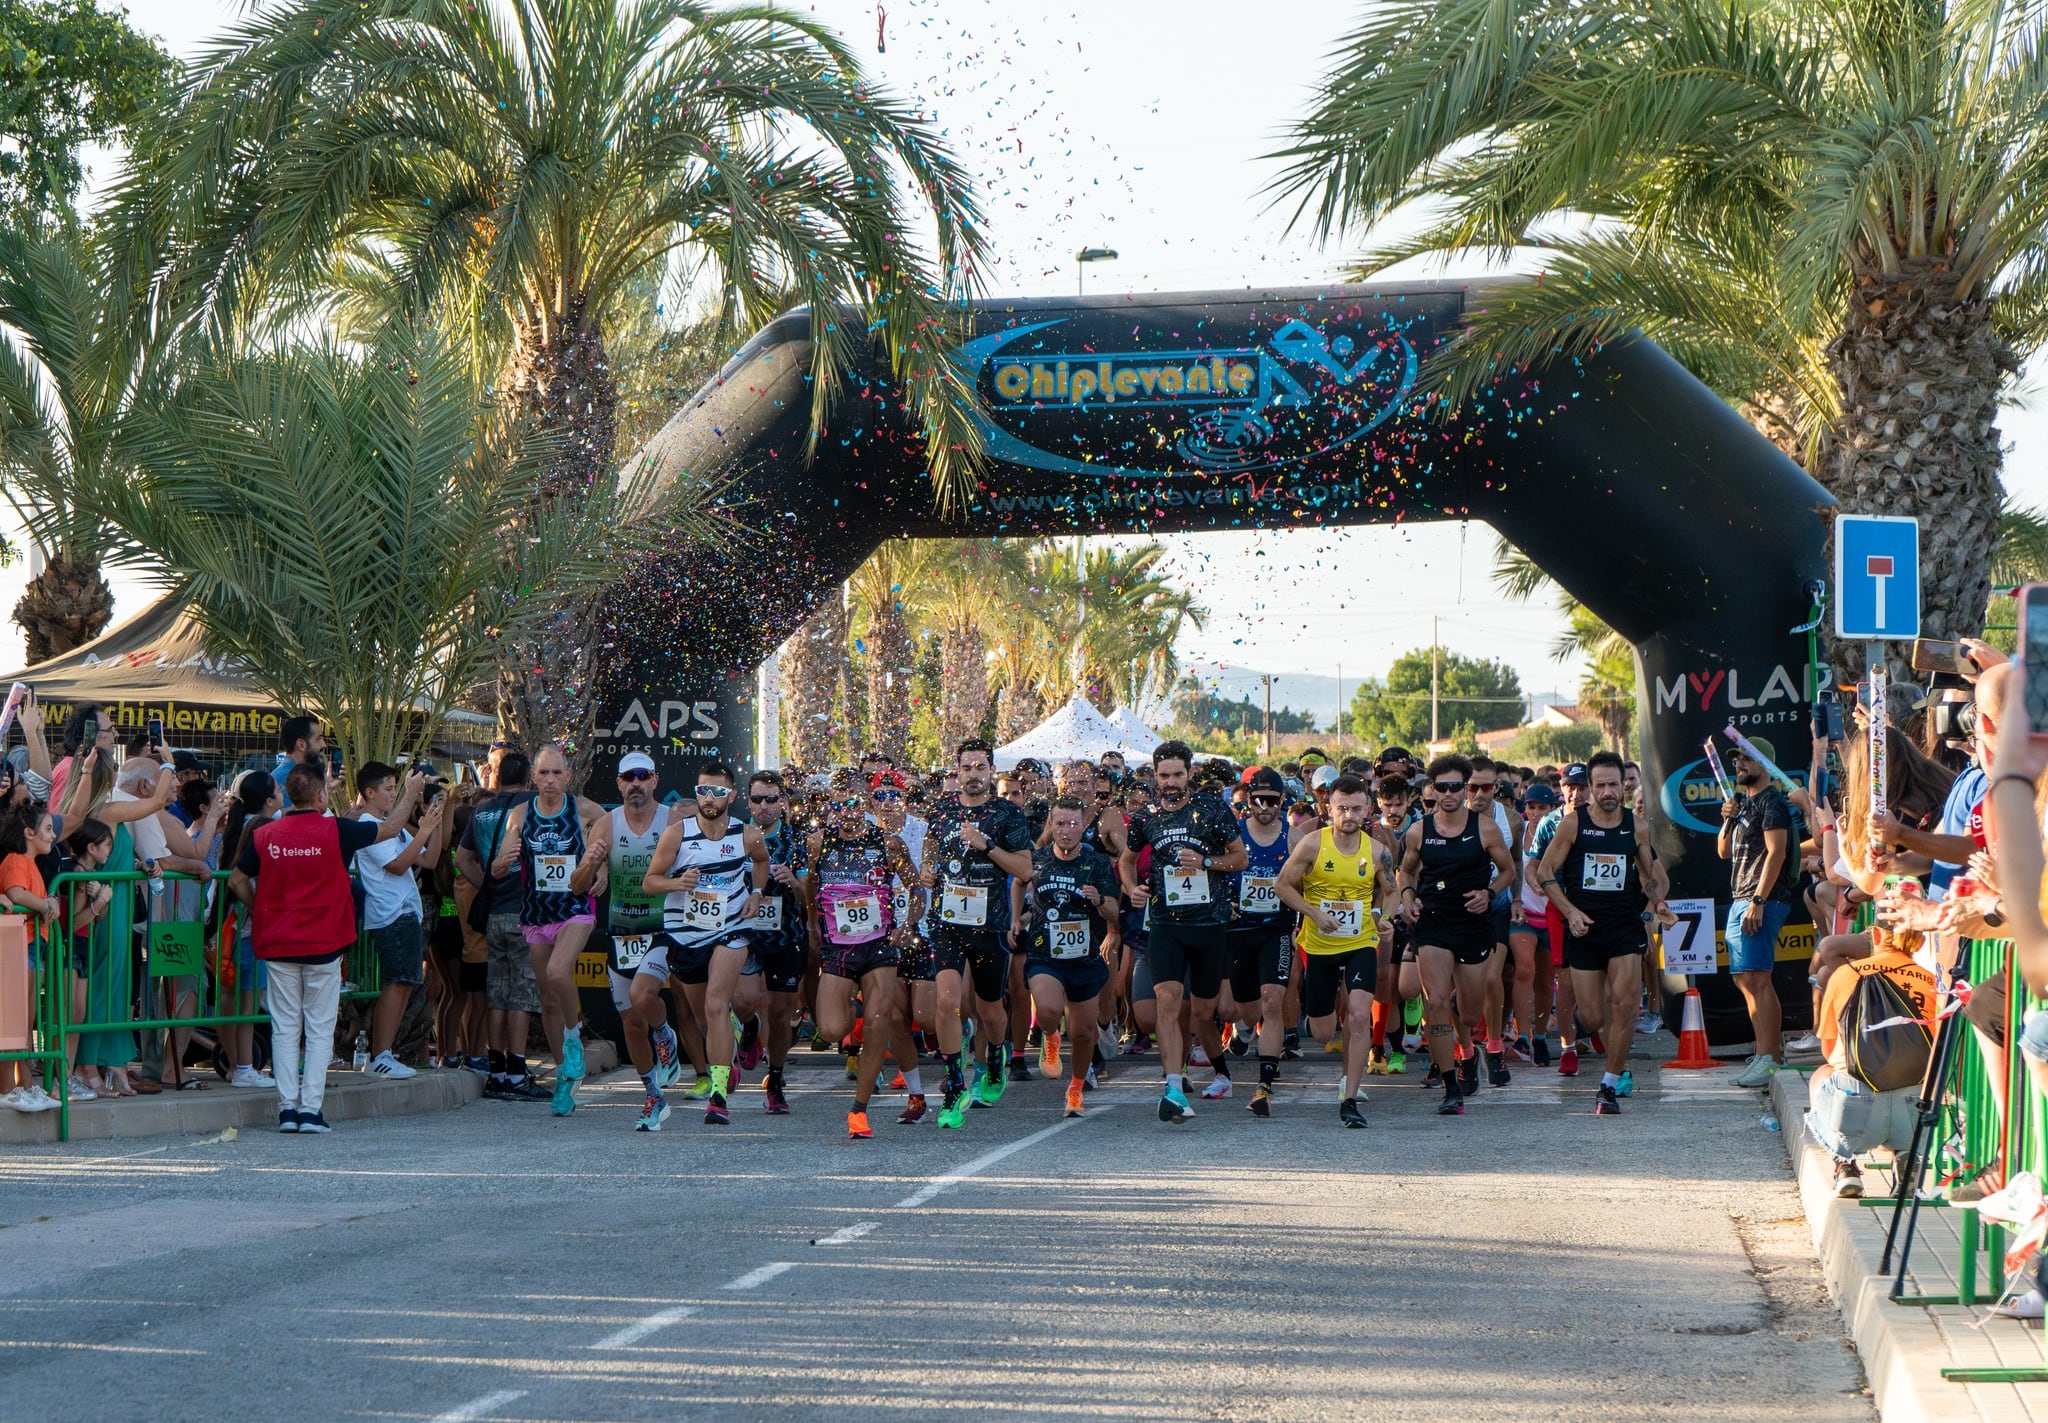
[[887, 794], [1447, 787], [1481, 785], [1265, 800], [764, 800], [636, 775], [848, 804], [708, 792]]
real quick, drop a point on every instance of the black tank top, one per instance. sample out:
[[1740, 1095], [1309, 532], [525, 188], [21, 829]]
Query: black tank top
[[1452, 865], [1600, 874]]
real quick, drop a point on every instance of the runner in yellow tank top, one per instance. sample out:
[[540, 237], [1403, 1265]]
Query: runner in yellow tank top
[[1336, 879]]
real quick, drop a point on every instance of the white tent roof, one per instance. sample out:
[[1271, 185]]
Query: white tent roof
[[1075, 730], [1137, 736]]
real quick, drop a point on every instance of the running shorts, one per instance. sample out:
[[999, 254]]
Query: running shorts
[[856, 961], [1191, 951], [979, 953], [1469, 937], [1083, 979], [1260, 955], [1608, 939], [1356, 970], [779, 961]]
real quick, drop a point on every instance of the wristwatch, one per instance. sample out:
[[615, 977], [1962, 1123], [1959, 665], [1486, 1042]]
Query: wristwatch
[[1205, 862]]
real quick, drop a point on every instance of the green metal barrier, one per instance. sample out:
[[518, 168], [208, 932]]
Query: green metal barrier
[[169, 954]]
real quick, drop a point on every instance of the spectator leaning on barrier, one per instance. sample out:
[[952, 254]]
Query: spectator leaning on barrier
[[294, 874]]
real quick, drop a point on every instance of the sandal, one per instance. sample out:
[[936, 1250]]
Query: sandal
[[186, 1084], [145, 1086]]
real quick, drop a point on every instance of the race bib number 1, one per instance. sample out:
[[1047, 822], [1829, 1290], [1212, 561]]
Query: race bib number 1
[[1259, 894], [631, 950], [1604, 873], [1186, 889], [1067, 938], [965, 905], [856, 915], [551, 873]]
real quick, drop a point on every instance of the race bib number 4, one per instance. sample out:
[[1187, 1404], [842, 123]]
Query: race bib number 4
[[768, 918], [704, 910], [631, 950], [551, 873], [965, 905], [1259, 894], [1349, 914], [856, 915], [1068, 938], [1183, 890], [1607, 873]]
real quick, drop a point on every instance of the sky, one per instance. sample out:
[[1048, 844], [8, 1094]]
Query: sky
[[1144, 126]]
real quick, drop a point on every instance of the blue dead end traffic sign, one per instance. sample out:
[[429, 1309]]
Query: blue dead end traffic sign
[[1877, 577]]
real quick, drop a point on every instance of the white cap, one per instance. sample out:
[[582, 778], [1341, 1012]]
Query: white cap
[[1324, 776], [635, 761]]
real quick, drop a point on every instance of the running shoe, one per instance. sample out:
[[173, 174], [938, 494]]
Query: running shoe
[[989, 1084], [1049, 1055], [313, 1124], [526, 1089], [775, 1103], [652, 1114], [897, 1084], [1605, 1105], [700, 1089], [572, 1056], [1035, 1036], [1241, 1042], [1173, 1107], [1261, 1104], [667, 1070], [1090, 1081], [1518, 1049], [951, 1112], [1568, 1062], [1397, 1063], [1802, 1042], [565, 1096], [1334, 1045], [1376, 1062], [1539, 1051], [1848, 1180], [1197, 1056], [1453, 1103], [819, 1044], [1349, 1114], [913, 1110], [1648, 1022], [1140, 1045], [1434, 1077], [1598, 1046], [852, 1066], [1628, 1085], [748, 1057], [1290, 1046], [857, 1128], [715, 1114], [1219, 1087], [1758, 1071], [288, 1119], [1018, 1067], [1074, 1099], [1468, 1076], [1497, 1069]]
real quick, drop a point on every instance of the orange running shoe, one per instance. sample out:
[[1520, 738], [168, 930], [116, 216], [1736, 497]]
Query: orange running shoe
[[1049, 1055], [1073, 1099], [857, 1125], [898, 1085]]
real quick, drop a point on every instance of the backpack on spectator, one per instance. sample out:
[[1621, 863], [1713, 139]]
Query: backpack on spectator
[[1885, 1043]]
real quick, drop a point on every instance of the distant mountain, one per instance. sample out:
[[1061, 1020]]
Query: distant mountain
[[1311, 692]]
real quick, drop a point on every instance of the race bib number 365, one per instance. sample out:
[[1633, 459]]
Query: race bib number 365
[[704, 910]]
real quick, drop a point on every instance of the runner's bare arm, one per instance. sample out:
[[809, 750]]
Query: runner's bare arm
[[1383, 876], [597, 849], [757, 851], [1234, 857], [1553, 860], [654, 882], [1291, 871], [1411, 866], [1503, 858], [906, 874]]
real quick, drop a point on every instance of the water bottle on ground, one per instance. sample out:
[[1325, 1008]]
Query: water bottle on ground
[[362, 1057]]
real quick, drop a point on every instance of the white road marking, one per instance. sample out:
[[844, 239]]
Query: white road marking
[[478, 1407], [634, 1333], [981, 1163], [753, 1279], [849, 1234]]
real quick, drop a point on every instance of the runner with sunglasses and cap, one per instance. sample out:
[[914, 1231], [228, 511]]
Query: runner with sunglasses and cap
[[1447, 896], [781, 934], [716, 871], [636, 950], [1260, 939]]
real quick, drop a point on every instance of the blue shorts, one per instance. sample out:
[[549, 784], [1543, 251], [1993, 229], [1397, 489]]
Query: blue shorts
[[1758, 952]]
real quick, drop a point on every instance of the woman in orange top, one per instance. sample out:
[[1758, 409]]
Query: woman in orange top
[[25, 834]]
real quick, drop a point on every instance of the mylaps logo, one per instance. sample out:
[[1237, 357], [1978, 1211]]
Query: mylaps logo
[[1722, 688]]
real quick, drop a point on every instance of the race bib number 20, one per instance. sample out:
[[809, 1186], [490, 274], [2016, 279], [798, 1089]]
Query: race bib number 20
[[551, 873]]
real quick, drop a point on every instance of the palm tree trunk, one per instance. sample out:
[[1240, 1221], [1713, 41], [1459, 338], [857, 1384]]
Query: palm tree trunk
[[1020, 710], [1920, 374], [543, 686], [889, 675], [964, 675], [67, 605], [817, 656]]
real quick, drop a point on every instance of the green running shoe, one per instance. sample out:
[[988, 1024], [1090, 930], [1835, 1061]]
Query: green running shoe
[[953, 1108], [988, 1087], [700, 1089], [1397, 1062]]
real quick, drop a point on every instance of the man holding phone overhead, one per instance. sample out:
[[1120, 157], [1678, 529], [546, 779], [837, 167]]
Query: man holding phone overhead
[[1951, 843]]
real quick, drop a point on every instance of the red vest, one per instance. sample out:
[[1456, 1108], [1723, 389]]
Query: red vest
[[303, 904]]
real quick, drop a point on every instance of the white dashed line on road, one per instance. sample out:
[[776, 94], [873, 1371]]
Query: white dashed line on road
[[754, 1279], [480, 1407], [634, 1333], [847, 1235]]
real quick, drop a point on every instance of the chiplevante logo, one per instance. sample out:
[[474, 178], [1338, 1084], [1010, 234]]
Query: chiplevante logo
[[1299, 394]]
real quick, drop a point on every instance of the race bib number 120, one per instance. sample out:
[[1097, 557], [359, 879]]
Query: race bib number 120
[[1604, 873]]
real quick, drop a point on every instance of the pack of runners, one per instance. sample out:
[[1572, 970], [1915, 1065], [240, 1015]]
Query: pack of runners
[[1456, 911]]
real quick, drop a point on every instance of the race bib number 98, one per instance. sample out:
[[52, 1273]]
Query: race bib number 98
[[1607, 873], [856, 915]]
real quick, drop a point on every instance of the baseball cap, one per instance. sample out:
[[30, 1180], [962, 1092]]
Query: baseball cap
[[1265, 778], [1575, 774], [1324, 776], [1393, 753], [185, 761], [635, 761], [1540, 794], [888, 778]]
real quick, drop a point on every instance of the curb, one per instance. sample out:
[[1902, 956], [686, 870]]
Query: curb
[[1903, 1348]]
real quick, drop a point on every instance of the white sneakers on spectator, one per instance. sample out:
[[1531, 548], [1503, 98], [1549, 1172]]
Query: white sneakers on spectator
[[1802, 1042], [30, 1099], [80, 1092], [247, 1076], [2024, 1306], [1848, 1180], [385, 1065], [1758, 1071]]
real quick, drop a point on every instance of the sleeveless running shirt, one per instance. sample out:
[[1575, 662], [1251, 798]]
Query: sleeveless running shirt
[[1600, 874], [1341, 885], [634, 914], [1452, 866], [853, 887], [710, 914], [549, 848], [780, 918], [1254, 891]]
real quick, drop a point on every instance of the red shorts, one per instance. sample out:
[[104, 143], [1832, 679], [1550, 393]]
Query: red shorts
[[1545, 921]]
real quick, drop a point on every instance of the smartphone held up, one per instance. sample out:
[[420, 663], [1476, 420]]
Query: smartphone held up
[[2033, 657]]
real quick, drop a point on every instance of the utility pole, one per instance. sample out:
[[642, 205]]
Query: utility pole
[[1340, 711], [1267, 678], [1435, 659]]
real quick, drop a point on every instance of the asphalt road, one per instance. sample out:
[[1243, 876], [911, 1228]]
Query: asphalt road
[[1527, 1261]]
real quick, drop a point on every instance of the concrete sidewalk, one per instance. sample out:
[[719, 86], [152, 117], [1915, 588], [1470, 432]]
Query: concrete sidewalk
[[1905, 1347]]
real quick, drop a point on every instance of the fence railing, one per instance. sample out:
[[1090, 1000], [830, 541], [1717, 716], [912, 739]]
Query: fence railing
[[167, 946]]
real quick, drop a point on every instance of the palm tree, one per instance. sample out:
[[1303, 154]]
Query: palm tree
[[1608, 686], [967, 585], [812, 666], [378, 613], [69, 368], [1119, 616], [1882, 164], [881, 589]]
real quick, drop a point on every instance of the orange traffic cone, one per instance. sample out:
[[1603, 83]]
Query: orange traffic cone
[[1692, 1036]]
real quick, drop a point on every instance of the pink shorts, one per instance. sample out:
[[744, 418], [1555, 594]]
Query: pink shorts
[[541, 936]]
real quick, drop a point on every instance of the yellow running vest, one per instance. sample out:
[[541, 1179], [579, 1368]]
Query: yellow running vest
[[1341, 885]]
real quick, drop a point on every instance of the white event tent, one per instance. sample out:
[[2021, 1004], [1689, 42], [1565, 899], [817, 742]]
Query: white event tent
[[1137, 736], [1075, 730]]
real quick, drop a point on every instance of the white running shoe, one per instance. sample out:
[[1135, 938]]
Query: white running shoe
[[385, 1065], [1802, 1042], [1197, 1057], [1758, 1071], [80, 1092], [1219, 1086], [2025, 1306], [41, 1101], [19, 1099], [247, 1076]]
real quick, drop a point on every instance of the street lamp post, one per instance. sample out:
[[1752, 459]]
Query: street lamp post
[[1081, 261]]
